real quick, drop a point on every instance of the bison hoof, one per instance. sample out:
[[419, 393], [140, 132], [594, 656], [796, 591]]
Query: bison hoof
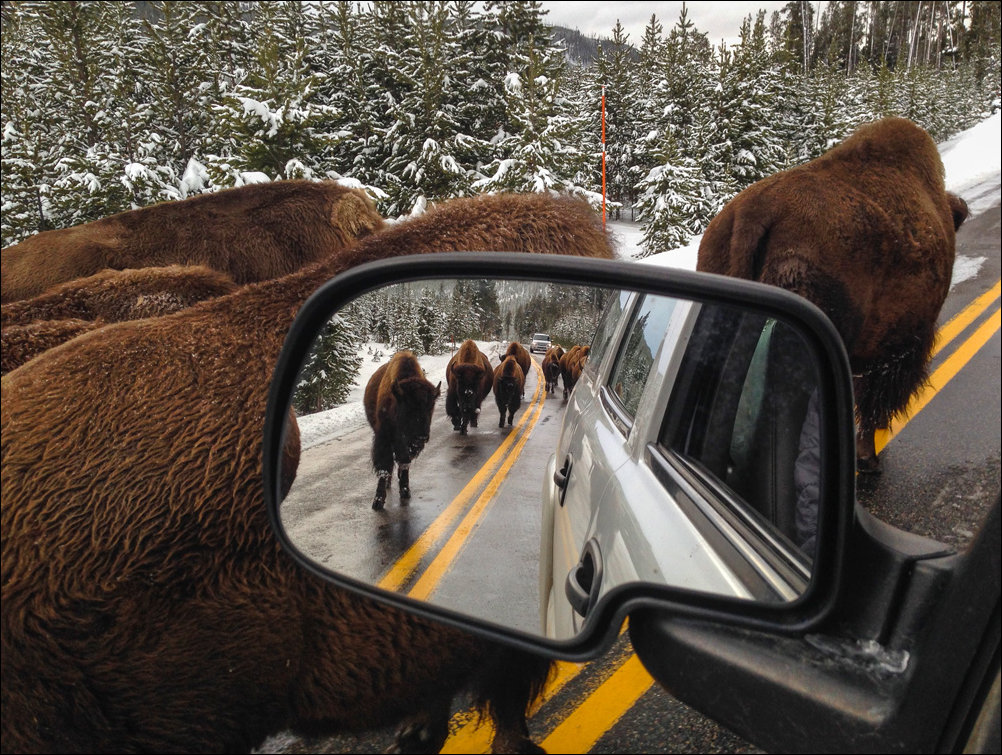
[[405, 493], [867, 464], [419, 737], [377, 503]]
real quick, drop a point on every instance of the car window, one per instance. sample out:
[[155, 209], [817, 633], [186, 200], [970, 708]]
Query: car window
[[640, 345], [608, 321], [744, 411]]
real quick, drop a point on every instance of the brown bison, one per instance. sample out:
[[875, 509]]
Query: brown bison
[[867, 233], [19, 343], [509, 387], [551, 368], [469, 378], [521, 354], [146, 602], [251, 233], [117, 295], [571, 364], [399, 402]]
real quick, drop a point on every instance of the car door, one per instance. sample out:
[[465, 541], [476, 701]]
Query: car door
[[623, 485]]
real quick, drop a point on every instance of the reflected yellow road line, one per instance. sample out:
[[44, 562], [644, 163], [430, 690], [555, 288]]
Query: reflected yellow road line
[[408, 563], [942, 375], [441, 563]]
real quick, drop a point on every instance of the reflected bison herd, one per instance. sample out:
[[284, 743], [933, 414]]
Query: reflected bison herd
[[400, 401]]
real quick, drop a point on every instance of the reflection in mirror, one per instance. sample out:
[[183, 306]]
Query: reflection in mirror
[[515, 450]]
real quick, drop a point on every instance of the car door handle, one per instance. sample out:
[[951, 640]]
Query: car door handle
[[561, 476], [584, 580]]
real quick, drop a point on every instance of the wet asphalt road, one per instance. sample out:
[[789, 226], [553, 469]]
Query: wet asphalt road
[[940, 475]]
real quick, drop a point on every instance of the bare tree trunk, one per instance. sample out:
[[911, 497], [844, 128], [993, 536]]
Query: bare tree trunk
[[914, 36]]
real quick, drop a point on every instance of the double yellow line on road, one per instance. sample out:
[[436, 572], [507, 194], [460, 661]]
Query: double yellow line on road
[[488, 478], [598, 712], [955, 362]]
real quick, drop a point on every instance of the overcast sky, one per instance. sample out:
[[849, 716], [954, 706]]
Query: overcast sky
[[720, 19]]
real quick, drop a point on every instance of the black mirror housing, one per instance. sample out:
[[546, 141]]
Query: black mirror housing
[[796, 616]]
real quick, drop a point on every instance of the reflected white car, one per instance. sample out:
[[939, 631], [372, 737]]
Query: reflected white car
[[665, 433], [540, 343]]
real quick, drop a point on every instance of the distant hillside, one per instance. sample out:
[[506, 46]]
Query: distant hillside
[[581, 50]]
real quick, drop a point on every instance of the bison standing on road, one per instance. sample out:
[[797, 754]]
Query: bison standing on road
[[509, 386], [469, 377], [571, 364], [399, 402], [867, 233], [517, 350], [147, 604], [251, 233], [551, 368]]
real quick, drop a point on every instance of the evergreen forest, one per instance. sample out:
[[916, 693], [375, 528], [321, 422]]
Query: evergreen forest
[[110, 106]]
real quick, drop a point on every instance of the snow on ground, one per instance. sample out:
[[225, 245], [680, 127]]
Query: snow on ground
[[973, 170]]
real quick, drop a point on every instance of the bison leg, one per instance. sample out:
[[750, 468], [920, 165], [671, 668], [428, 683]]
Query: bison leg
[[473, 418], [403, 474], [424, 732], [382, 483], [382, 461], [866, 452], [510, 682]]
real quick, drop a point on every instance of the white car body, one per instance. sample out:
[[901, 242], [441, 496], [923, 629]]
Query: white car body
[[616, 497]]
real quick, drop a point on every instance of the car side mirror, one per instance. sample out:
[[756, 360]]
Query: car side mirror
[[691, 448]]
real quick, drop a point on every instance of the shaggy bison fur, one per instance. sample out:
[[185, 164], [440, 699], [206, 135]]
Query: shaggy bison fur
[[551, 368], [146, 601], [571, 364], [521, 354], [509, 386], [117, 295], [251, 233], [867, 233], [19, 343], [469, 378], [399, 402]]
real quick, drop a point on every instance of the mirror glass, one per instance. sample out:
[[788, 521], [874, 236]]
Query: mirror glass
[[516, 450]]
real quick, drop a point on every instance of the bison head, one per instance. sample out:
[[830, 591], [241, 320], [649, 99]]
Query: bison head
[[415, 403], [467, 379]]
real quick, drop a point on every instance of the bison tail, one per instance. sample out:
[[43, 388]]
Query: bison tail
[[505, 691], [884, 387], [796, 273], [735, 242]]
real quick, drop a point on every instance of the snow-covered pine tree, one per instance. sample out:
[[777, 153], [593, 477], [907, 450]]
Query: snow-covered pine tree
[[330, 370], [342, 57], [424, 141], [676, 197], [616, 70], [179, 72], [273, 119], [29, 150], [748, 108]]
